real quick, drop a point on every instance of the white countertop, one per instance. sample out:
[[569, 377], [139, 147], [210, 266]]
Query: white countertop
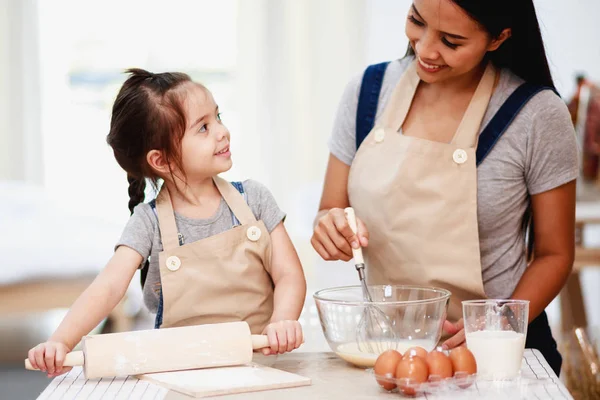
[[331, 377]]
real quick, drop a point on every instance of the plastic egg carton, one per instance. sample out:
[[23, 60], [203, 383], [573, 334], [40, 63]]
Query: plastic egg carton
[[435, 384]]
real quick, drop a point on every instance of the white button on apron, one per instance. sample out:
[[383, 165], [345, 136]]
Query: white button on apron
[[379, 135], [459, 156], [253, 233], [173, 263]]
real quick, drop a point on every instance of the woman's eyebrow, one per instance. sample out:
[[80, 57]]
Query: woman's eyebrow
[[452, 35]]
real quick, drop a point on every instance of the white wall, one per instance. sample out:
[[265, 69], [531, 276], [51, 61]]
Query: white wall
[[10, 148], [20, 149], [571, 32]]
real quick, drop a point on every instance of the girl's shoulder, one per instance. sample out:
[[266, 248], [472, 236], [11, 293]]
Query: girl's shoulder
[[254, 190], [262, 203]]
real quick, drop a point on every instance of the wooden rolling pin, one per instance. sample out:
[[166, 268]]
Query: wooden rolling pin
[[169, 349]]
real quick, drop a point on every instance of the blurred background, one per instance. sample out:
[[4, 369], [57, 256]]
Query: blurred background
[[277, 69]]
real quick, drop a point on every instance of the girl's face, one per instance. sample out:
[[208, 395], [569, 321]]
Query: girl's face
[[205, 144], [447, 42]]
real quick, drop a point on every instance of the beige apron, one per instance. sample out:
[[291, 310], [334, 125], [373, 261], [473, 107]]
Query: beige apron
[[418, 199], [222, 278]]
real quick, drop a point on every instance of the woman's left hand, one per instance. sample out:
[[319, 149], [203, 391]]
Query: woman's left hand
[[457, 330], [283, 336]]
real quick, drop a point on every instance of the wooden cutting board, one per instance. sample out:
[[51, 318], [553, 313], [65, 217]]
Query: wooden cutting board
[[226, 380]]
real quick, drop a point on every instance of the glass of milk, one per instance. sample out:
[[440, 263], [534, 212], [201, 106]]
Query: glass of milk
[[495, 333]]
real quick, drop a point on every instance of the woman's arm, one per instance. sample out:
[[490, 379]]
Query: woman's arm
[[333, 236], [335, 188], [554, 251], [554, 248]]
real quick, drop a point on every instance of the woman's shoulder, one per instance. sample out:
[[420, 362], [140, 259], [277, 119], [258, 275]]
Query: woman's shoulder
[[545, 107]]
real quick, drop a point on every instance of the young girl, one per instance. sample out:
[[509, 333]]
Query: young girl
[[216, 251]]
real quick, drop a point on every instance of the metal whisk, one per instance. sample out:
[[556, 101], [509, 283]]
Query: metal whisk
[[374, 331]]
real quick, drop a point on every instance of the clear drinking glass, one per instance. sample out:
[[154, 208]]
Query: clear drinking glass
[[495, 333]]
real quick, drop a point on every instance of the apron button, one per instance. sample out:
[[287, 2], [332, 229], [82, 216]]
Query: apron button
[[253, 233], [459, 156], [173, 263], [379, 135]]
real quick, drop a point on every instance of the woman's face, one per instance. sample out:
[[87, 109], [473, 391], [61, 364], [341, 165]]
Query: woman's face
[[448, 44]]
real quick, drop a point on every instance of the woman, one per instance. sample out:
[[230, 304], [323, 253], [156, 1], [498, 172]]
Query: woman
[[465, 147]]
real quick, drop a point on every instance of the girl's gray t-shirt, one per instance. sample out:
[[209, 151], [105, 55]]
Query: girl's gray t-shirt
[[143, 235], [538, 152]]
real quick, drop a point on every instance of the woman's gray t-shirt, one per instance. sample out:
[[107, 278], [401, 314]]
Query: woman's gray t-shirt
[[538, 152], [142, 234]]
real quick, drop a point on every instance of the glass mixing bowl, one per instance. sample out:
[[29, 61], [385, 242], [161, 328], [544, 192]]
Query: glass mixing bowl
[[415, 314]]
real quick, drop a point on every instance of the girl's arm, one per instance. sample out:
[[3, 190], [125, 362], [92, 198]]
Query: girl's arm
[[288, 277], [90, 308], [284, 330]]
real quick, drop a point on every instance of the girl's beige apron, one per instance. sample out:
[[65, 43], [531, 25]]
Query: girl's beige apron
[[221, 278], [418, 199]]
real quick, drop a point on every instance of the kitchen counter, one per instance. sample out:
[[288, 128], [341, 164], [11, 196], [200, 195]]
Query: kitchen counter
[[332, 378]]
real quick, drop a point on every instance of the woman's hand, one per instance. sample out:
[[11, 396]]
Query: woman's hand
[[457, 330], [333, 238]]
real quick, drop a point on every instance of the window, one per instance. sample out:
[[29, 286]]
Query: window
[[84, 48]]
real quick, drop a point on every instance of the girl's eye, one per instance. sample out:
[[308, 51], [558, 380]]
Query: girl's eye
[[453, 46], [415, 21], [202, 129], [219, 117]]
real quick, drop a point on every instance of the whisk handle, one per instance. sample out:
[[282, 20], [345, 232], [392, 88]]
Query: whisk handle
[[356, 253]]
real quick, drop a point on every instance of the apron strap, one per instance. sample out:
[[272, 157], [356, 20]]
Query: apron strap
[[169, 234], [400, 101], [166, 220], [367, 100], [504, 117], [235, 201], [467, 134]]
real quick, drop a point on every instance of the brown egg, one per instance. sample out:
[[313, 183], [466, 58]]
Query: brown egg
[[463, 360], [416, 351], [439, 364], [412, 370], [385, 366], [464, 364]]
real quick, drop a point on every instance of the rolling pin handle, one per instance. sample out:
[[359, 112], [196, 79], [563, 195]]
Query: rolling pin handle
[[73, 359], [260, 342]]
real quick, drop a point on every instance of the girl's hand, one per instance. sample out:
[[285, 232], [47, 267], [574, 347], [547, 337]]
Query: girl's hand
[[49, 357], [333, 238], [283, 336]]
